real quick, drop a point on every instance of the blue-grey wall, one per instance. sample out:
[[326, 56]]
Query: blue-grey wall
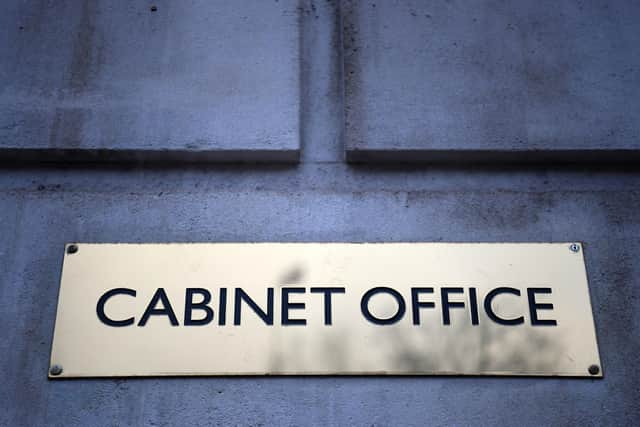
[[321, 198], [514, 79]]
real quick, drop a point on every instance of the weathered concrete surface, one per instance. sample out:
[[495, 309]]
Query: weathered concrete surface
[[492, 80], [321, 199], [44, 208], [194, 81]]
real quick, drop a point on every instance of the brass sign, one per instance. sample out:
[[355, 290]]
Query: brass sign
[[324, 308]]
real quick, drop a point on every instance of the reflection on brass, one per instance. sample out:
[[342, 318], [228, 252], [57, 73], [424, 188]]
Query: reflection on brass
[[324, 309]]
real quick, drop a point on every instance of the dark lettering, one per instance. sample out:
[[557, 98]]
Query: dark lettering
[[189, 306], [286, 306], [103, 300], [327, 300], [473, 306], [267, 317], [222, 307], [489, 308], [446, 304], [166, 310], [534, 307], [416, 304], [364, 306]]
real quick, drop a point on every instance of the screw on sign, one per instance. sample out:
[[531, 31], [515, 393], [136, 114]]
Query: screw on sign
[[55, 370]]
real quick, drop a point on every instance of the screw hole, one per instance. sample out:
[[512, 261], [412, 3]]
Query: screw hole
[[154, 8], [574, 247], [72, 249]]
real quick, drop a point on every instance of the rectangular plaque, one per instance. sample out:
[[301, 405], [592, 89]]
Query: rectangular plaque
[[324, 309]]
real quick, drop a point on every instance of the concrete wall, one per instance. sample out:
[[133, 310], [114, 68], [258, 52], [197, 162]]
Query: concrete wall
[[322, 198], [515, 80], [93, 80]]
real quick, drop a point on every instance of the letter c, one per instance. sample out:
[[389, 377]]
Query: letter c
[[489, 309], [103, 300]]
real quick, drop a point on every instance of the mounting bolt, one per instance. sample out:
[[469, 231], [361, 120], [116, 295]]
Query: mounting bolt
[[55, 370], [594, 369], [574, 247], [72, 249], [154, 8]]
